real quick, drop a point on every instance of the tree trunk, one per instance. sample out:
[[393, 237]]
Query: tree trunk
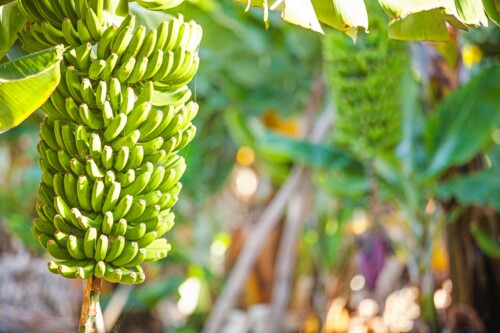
[[475, 277]]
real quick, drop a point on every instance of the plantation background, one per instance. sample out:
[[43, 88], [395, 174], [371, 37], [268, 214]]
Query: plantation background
[[367, 189]]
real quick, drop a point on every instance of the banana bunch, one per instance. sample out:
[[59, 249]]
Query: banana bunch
[[110, 139], [366, 84]]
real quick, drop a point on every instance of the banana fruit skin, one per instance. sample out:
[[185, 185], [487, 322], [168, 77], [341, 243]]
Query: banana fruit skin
[[110, 140]]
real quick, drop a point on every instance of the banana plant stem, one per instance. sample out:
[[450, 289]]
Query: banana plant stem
[[89, 305]]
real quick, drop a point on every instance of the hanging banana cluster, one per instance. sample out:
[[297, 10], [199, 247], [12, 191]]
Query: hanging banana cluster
[[365, 80], [109, 142]]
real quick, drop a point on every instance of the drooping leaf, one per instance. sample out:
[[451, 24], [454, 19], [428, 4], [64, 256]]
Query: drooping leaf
[[346, 16], [298, 12], [462, 124], [36, 76], [11, 22], [303, 152], [471, 12], [479, 188], [301, 13], [421, 19], [492, 9], [428, 25], [400, 8]]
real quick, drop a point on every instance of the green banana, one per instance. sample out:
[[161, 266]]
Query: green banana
[[138, 185], [128, 101], [62, 239], [138, 207], [75, 247], [48, 136], [135, 232], [107, 158], [130, 250], [83, 55], [141, 277], [56, 251], [84, 272], [115, 127], [93, 24], [123, 207], [121, 40], [90, 242], [65, 226], [84, 193], [112, 197], [140, 67], [93, 169], [44, 226], [121, 158], [107, 223], [128, 277], [103, 47], [112, 275], [110, 178], [69, 140], [70, 184], [126, 178], [100, 269], [147, 239], [95, 146], [137, 116], [116, 249], [97, 198], [119, 228]]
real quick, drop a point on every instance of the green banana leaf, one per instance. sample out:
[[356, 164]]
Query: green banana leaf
[[284, 149], [11, 22], [346, 16], [301, 13], [26, 83], [463, 123], [492, 9], [471, 12], [298, 12], [479, 188], [421, 19], [429, 25]]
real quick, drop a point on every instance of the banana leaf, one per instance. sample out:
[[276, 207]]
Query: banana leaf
[[492, 9], [463, 123], [26, 83], [471, 12], [479, 188]]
